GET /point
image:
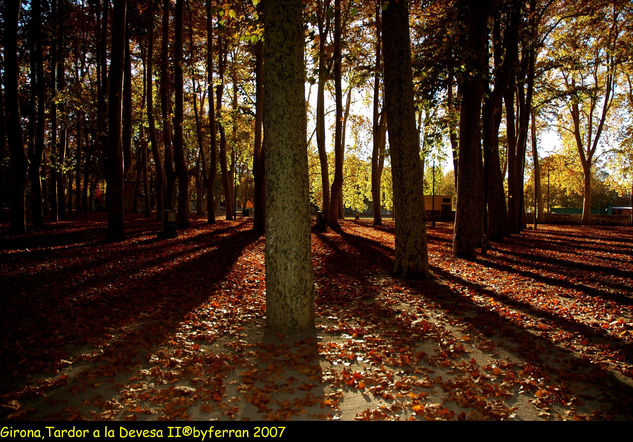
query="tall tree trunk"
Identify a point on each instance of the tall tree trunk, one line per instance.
(212, 129)
(115, 185)
(468, 216)
(53, 166)
(38, 144)
(226, 180)
(513, 172)
(201, 174)
(379, 126)
(289, 277)
(337, 184)
(538, 194)
(323, 24)
(4, 191)
(497, 220)
(586, 199)
(127, 123)
(233, 175)
(158, 161)
(103, 85)
(79, 153)
(259, 220)
(452, 122)
(17, 220)
(166, 110)
(411, 255)
(182, 217)
(147, 202)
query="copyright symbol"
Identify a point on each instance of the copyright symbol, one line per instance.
(186, 431)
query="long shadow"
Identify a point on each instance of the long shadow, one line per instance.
(591, 291)
(560, 246)
(625, 232)
(85, 229)
(364, 245)
(153, 305)
(492, 324)
(579, 248)
(89, 263)
(557, 265)
(585, 241)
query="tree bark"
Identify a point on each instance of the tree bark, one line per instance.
(224, 169)
(212, 127)
(468, 216)
(323, 25)
(38, 144)
(166, 109)
(127, 121)
(586, 200)
(259, 220)
(538, 194)
(337, 183)
(411, 255)
(378, 119)
(497, 221)
(115, 185)
(289, 277)
(182, 217)
(158, 161)
(17, 220)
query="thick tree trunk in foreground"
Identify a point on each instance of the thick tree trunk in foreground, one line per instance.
(411, 256)
(289, 278)
(115, 146)
(17, 220)
(468, 216)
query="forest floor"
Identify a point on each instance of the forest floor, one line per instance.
(540, 328)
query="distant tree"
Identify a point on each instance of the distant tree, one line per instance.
(289, 278)
(588, 79)
(411, 256)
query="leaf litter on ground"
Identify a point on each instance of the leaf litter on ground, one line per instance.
(538, 328)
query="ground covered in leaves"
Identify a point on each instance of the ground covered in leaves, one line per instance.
(540, 328)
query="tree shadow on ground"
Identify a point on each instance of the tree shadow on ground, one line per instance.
(569, 368)
(118, 319)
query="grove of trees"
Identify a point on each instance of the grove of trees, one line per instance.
(293, 107)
